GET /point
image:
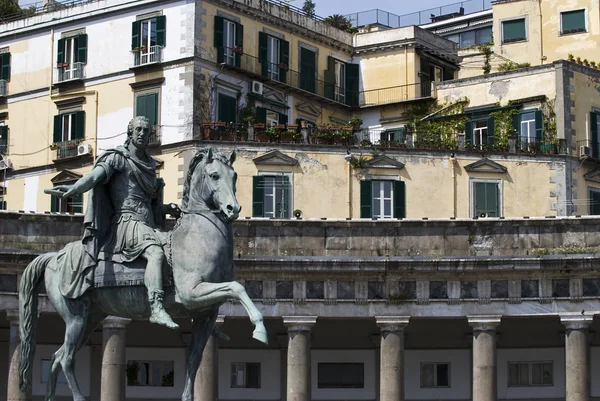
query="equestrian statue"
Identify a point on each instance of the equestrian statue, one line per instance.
(127, 265)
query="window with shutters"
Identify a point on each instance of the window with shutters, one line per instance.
(594, 202)
(4, 72)
(273, 49)
(435, 374)
(148, 37)
(393, 136)
(486, 198)
(594, 130)
(229, 41)
(382, 199)
(245, 375)
(530, 374)
(226, 108)
(272, 118)
(479, 133)
(272, 195)
(340, 82)
(274, 56)
(573, 22)
(71, 57)
(68, 205)
(3, 138)
(308, 70)
(514, 30)
(147, 105)
(69, 130)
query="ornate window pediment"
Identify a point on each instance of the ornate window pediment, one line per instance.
(384, 162)
(485, 166)
(275, 158)
(309, 109)
(64, 177)
(593, 175)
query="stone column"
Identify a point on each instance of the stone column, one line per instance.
(577, 357)
(484, 357)
(114, 360)
(298, 357)
(206, 386)
(391, 360)
(14, 359)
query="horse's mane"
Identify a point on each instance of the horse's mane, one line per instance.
(198, 157)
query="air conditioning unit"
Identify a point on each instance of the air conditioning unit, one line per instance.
(585, 151)
(257, 87)
(5, 164)
(84, 149)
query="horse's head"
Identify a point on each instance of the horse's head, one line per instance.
(211, 184)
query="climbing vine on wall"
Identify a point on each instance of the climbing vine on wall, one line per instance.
(503, 126)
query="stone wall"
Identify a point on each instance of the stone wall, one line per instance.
(352, 238)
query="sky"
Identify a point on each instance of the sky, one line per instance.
(399, 7)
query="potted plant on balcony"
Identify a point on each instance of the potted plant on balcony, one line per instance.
(324, 135)
(355, 122)
(344, 136)
(238, 50)
(272, 134)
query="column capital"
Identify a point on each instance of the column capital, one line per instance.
(115, 322)
(576, 322)
(484, 322)
(12, 316)
(391, 323)
(299, 323)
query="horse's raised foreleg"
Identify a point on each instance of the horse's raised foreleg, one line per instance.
(209, 294)
(201, 331)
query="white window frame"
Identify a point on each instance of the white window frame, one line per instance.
(435, 378)
(244, 385)
(229, 34)
(472, 182)
(273, 52)
(291, 189)
(381, 199)
(270, 122)
(478, 133)
(523, 17)
(67, 128)
(587, 25)
(530, 375)
(149, 54)
(70, 55)
(531, 136)
(340, 81)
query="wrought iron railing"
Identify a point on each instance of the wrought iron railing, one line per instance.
(147, 55)
(527, 145)
(396, 94)
(65, 150)
(71, 72)
(155, 137)
(279, 74)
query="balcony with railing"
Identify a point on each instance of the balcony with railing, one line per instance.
(277, 75)
(155, 137)
(70, 72)
(397, 94)
(65, 150)
(147, 55)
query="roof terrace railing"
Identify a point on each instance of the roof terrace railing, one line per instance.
(390, 20)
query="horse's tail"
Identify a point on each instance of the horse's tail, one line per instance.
(28, 302)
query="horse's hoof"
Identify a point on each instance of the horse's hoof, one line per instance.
(260, 334)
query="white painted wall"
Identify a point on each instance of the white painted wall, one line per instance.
(112, 128)
(177, 355)
(270, 374)
(556, 355)
(344, 356)
(175, 101)
(31, 193)
(460, 374)
(82, 372)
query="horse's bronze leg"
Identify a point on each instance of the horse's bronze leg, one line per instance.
(208, 294)
(201, 331)
(53, 376)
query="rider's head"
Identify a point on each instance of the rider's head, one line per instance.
(138, 132)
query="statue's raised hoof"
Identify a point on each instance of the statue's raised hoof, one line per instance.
(260, 334)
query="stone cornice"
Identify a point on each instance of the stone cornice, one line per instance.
(484, 323)
(299, 323)
(391, 323)
(576, 322)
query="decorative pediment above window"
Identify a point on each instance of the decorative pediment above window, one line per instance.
(308, 108)
(485, 166)
(274, 95)
(275, 158)
(65, 177)
(384, 162)
(593, 175)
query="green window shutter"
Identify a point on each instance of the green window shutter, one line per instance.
(573, 21)
(60, 52)
(227, 108)
(399, 199)
(135, 35)
(516, 118)
(487, 199)
(308, 69)
(594, 203)
(151, 108)
(4, 139)
(79, 124)
(539, 127)
(284, 58)
(140, 105)
(594, 131)
(469, 133)
(262, 53)
(448, 74)
(352, 83)
(261, 115)
(329, 78)
(366, 199)
(490, 132)
(283, 118)
(218, 37)
(5, 66)
(54, 204)
(513, 31)
(258, 196)
(3, 205)
(77, 205)
(161, 30)
(239, 42)
(57, 135)
(82, 41)
(401, 135)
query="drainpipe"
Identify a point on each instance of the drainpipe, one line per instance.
(542, 57)
(349, 190)
(50, 120)
(454, 203)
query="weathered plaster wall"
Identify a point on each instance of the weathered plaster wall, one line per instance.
(529, 51)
